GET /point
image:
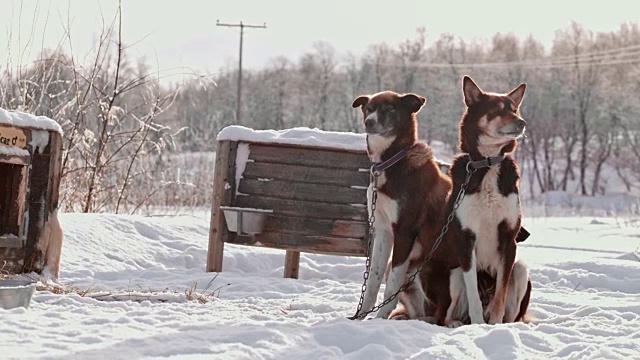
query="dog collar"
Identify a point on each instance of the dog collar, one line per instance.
(486, 162)
(382, 166)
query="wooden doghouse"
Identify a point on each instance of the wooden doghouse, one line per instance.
(30, 169)
(301, 190)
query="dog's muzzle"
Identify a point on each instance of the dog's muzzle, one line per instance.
(369, 124)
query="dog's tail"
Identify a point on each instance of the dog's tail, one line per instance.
(524, 305)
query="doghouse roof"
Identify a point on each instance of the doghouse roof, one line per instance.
(297, 136)
(24, 120)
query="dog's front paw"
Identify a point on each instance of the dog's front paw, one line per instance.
(487, 313)
(398, 317)
(493, 315)
(400, 313)
(495, 319)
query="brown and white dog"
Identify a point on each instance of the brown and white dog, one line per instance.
(441, 297)
(411, 188)
(488, 219)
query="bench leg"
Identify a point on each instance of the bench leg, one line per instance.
(216, 243)
(214, 259)
(291, 264)
(216, 228)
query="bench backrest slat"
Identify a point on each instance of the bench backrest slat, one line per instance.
(306, 174)
(307, 243)
(307, 209)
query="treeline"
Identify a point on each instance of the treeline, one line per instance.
(581, 102)
(131, 144)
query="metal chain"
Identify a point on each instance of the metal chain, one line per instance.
(372, 219)
(436, 244)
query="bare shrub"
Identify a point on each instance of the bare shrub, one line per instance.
(111, 111)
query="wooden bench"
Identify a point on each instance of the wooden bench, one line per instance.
(317, 196)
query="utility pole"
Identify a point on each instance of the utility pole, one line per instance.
(241, 26)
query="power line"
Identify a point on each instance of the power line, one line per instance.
(605, 57)
(533, 65)
(491, 66)
(241, 25)
(528, 64)
(572, 60)
(595, 53)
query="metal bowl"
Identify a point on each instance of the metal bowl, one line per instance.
(245, 221)
(16, 293)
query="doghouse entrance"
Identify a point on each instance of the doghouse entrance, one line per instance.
(13, 180)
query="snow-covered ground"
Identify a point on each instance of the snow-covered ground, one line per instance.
(137, 272)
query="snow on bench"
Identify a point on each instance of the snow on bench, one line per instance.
(296, 136)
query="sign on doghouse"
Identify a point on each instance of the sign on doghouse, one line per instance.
(12, 137)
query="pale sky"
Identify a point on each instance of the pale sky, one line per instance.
(182, 33)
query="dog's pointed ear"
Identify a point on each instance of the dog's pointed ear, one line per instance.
(360, 101)
(413, 102)
(471, 91)
(517, 94)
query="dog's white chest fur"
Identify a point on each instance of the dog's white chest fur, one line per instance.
(482, 212)
(377, 144)
(386, 207)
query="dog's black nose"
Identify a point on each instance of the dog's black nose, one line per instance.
(369, 123)
(520, 123)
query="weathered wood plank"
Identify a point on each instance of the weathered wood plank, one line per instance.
(10, 241)
(216, 245)
(297, 242)
(306, 192)
(309, 157)
(306, 174)
(309, 209)
(21, 197)
(11, 267)
(14, 159)
(230, 185)
(291, 264)
(55, 143)
(39, 182)
(11, 253)
(296, 225)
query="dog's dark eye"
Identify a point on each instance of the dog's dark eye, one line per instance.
(371, 108)
(389, 109)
